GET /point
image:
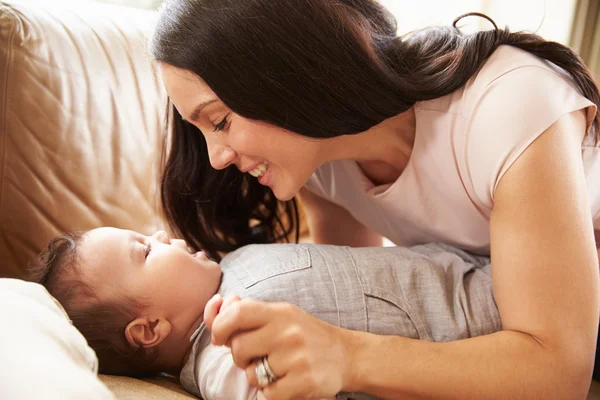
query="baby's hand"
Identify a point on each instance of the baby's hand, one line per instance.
(215, 305)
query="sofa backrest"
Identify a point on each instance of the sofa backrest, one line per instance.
(81, 123)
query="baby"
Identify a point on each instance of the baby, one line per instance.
(139, 300)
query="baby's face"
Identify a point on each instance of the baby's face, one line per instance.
(155, 270)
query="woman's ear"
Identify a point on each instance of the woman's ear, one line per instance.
(147, 333)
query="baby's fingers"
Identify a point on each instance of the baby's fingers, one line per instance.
(211, 309)
(229, 300)
(216, 305)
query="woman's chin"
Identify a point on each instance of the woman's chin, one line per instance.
(285, 194)
(284, 198)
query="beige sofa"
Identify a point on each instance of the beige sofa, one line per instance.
(81, 127)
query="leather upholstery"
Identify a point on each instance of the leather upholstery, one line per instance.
(81, 123)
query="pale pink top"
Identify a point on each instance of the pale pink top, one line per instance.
(464, 144)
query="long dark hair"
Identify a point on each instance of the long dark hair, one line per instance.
(217, 210)
(319, 68)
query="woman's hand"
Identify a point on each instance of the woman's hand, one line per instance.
(311, 359)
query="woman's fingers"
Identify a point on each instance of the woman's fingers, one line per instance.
(275, 363)
(254, 344)
(242, 315)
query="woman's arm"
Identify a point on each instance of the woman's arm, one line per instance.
(546, 286)
(545, 276)
(329, 223)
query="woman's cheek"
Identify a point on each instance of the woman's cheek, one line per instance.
(241, 137)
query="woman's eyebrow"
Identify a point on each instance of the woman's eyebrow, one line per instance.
(196, 113)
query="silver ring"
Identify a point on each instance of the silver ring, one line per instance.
(271, 375)
(262, 375)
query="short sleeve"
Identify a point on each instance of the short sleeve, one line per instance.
(509, 114)
(319, 180)
(332, 181)
(314, 184)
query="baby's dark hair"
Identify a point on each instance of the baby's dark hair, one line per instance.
(60, 270)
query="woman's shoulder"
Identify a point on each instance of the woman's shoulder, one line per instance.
(506, 65)
(517, 85)
(513, 81)
(509, 103)
(507, 59)
(517, 76)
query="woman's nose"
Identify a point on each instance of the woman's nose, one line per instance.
(221, 156)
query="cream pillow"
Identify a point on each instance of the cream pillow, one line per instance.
(43, 356)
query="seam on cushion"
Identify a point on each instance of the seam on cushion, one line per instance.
(3, 133)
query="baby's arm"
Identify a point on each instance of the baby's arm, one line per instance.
(220, 379)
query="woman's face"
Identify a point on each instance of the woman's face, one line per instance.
(278, 158)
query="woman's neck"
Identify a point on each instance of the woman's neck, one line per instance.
(382, 152)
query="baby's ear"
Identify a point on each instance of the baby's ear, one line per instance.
(147, 333)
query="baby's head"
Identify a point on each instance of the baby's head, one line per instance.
(137, 299)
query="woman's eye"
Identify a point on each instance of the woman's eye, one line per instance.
(148, 250)
(221, 125)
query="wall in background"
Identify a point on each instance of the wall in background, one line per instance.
(551, 19)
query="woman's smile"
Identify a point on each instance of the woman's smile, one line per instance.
(265, 177)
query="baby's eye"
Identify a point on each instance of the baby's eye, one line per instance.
(148, 250)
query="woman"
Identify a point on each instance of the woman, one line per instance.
(484, 141)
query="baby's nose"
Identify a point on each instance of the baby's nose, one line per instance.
(179, 243)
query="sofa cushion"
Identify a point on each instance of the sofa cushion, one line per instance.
(43, 355)
(81, 119)
(157, 388)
